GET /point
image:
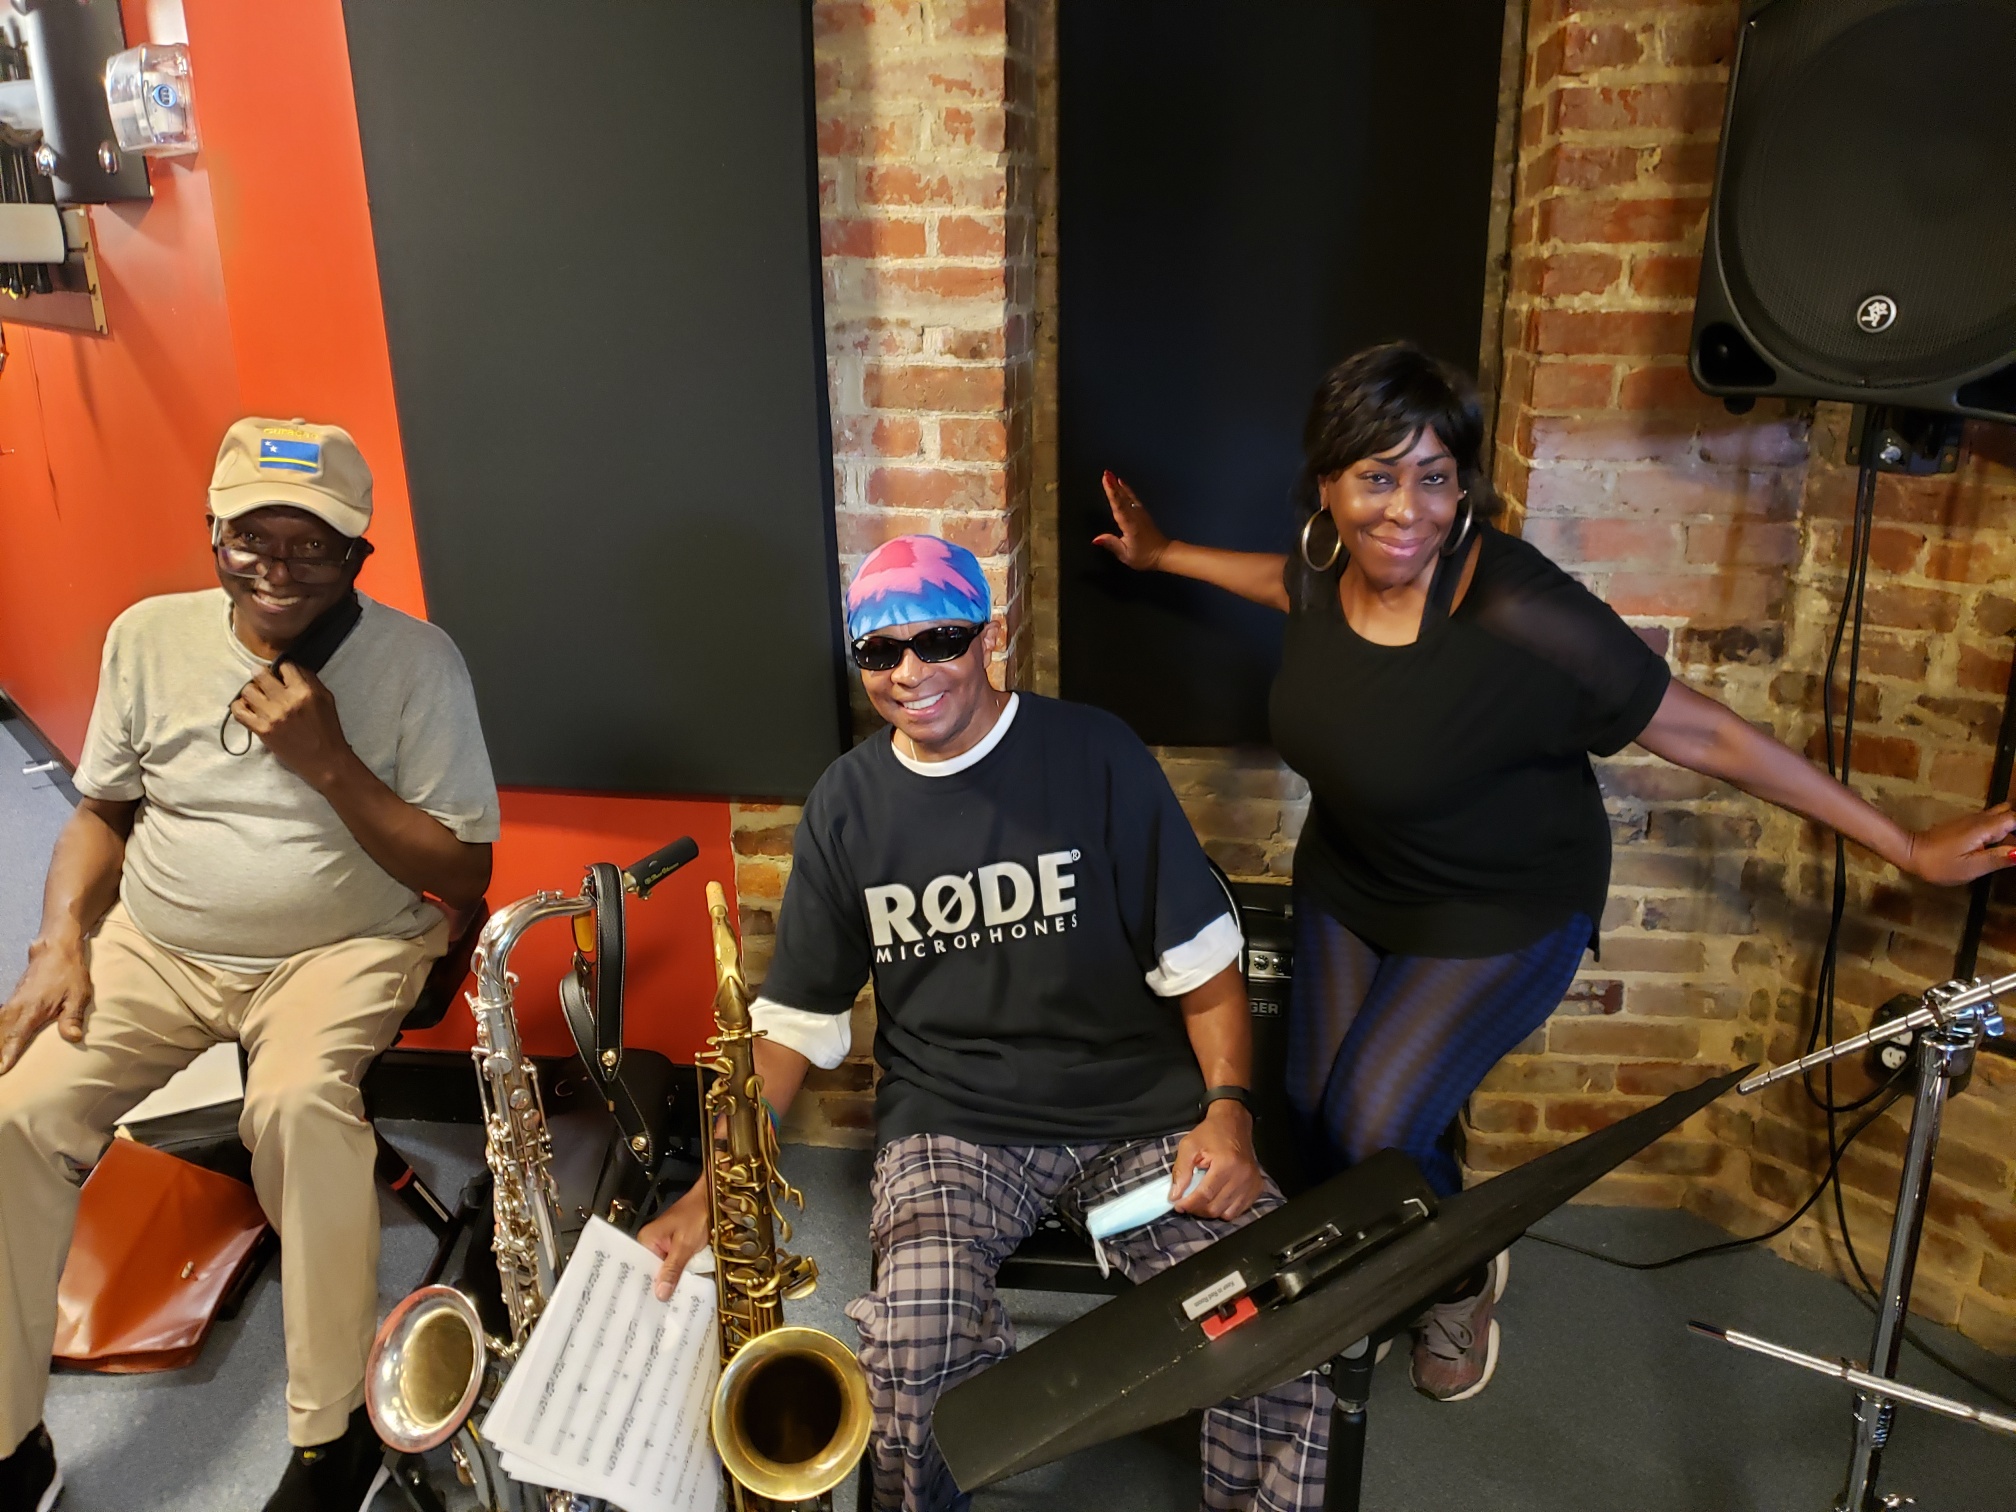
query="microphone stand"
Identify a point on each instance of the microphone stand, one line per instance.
(1955, 1017)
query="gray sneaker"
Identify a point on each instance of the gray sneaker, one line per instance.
(1456, 1343)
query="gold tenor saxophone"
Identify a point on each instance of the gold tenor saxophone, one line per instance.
(432, 1365)
(791, 1412)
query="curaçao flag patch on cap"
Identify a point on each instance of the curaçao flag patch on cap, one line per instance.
(284, 449)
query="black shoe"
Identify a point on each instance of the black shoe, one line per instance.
(29, 1479)
(332, 1477)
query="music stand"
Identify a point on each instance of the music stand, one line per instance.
(1148, 1356)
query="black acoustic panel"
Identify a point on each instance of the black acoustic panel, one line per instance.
(1862, 240)
(1247, 194)
(596, 231)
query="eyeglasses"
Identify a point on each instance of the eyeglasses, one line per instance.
(240, 560)
(941, 643)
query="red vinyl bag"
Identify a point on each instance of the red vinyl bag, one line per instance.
(158, 1244)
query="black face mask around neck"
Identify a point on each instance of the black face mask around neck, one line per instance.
(310, 651)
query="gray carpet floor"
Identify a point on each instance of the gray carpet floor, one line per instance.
(1603, 1400)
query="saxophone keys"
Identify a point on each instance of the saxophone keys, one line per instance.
(792, 1277)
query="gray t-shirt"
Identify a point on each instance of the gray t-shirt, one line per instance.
(234, 859)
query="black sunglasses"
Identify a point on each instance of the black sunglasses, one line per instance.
(941, 643)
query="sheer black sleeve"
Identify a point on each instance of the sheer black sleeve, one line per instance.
(1522, 598)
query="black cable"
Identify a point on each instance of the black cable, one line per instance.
(1858, 579)
(1847, 627)
(1911, 1336)
(1725, 1245)
(1852, 599)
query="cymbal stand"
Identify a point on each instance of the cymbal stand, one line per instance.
(1954, 1016)
(1846, 1370)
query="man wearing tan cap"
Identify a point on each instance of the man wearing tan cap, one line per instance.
(278, 777)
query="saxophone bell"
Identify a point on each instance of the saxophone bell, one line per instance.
(426, 1369)
(791, 1412)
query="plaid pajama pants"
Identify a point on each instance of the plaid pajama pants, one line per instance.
(945, 1214)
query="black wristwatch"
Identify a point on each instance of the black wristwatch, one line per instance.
(1226, 1094)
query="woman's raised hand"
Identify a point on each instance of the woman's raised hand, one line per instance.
(1962, 849)
(1140, 543)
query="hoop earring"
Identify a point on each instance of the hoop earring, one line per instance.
(1336, 544)
(1455, 544)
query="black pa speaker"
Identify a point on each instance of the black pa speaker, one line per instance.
(1862, 239)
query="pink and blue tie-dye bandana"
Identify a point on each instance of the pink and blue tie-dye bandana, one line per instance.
(916, 579)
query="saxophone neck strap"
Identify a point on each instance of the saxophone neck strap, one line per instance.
(591, 997)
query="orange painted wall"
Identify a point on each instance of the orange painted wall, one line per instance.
(548, 840)
(250, 286)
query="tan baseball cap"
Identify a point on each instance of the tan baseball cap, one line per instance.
(313, 467)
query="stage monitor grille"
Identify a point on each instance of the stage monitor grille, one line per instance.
(1866, 216)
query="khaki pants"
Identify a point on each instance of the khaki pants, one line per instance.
(310, 1027)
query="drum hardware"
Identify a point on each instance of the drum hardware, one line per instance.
(1947, 1028)
(1846, 1370)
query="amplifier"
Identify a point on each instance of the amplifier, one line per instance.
(1267, 918)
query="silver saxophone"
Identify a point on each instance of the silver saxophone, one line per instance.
(432, 1365)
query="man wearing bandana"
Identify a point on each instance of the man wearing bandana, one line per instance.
(1061, 1017)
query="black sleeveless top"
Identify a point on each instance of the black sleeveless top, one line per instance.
(1454, 812)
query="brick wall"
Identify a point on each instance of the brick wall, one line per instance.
(1683, 517)
(1723, 542)
(926, 194)
(1719, 537)
(1935, 663)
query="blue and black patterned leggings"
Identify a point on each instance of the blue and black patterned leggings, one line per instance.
(1383, 1049)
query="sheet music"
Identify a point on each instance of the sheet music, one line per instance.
(612, 1394)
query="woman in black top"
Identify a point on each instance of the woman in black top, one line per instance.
(1442, 686)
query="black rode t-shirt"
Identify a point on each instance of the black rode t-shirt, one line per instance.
(1010, 913)
(1454, 812)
